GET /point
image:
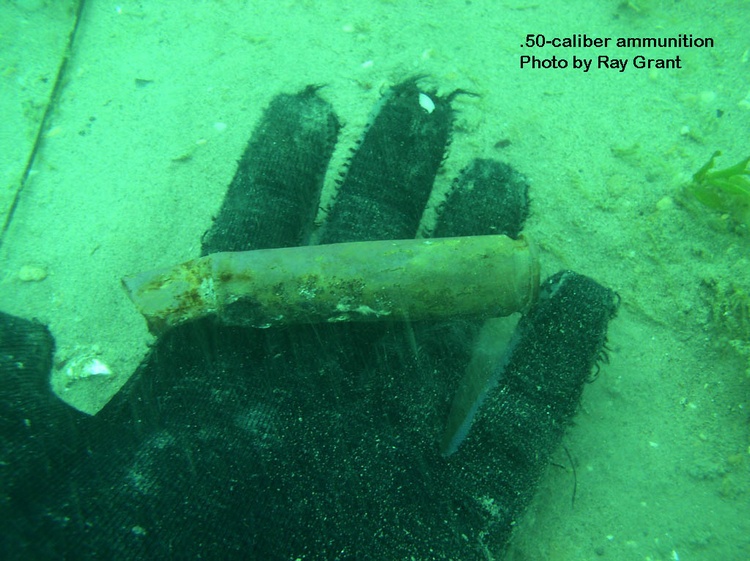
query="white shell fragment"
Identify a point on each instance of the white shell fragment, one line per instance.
(96, 367)
(85, 367)
(426, 103)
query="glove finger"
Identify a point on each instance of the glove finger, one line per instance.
(390, 176)
(275, 193)
(488, 197)
(532, 397)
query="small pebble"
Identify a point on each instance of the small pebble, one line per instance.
(32, 273)
(665, 203)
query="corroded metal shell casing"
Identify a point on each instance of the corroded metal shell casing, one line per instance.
(417, 279)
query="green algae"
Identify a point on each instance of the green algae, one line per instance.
(726, 191)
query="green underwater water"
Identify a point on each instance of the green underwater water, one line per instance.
(159, 100)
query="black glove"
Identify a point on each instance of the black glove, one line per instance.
(315, 441)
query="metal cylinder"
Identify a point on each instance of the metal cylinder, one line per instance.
(416, 279)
